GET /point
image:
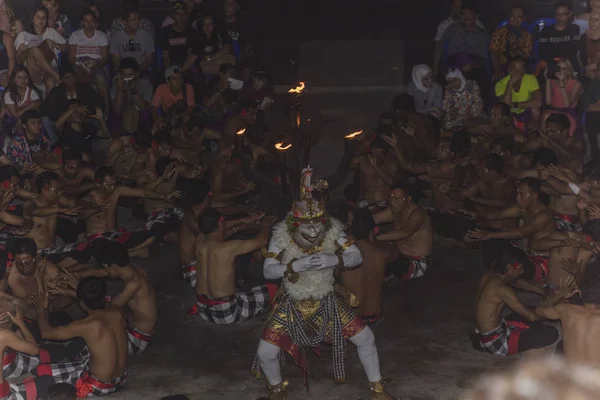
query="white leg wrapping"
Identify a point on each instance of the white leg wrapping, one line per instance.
(367, 353)
(269, 362)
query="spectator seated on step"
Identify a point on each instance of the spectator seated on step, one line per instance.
(173, 102)
(133, 42)
(454, 18)
(463, 104)
(118, 24)
(213, 48)
(221, 97)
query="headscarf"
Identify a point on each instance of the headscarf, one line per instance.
(595, 33)
(418, 73)
(456, 73)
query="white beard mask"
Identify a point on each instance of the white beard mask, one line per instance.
(309, 235)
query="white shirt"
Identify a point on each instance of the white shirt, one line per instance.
(30, 95)
(31, 40)
(89, 47)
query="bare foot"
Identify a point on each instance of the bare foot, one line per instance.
(141, 253)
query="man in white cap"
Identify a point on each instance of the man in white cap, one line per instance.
(172, 100)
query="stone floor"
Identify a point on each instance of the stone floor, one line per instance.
(422, 342)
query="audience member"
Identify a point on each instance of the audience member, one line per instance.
(20, 96)
(452, 19)
(100, 25)
(560, 40)
(590, 100)
(132, 42)
(562, 92)
(88, 52)
(521, 92)
(510, 41)
(57, 101)
(191, 19)
(8, 57)
(426, 92)
(131, 97)
(220, 98)
(467, 49)
(240, 34)
(9, 22)
(590, 55)
(38, 48)
(118, 24)
(172, 99)
(462, 101)
(177, 40)
(212, 49)
(30, 145)
(57, 20)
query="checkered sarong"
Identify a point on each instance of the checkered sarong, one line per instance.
(189, 273)
(66, 372)
(306, 338)
(568, 223)
(67, 248)
(137, 341)
(504, 340)
(89, 386)
(417, 268)
(161, 217)
(15, 364)
(120, 236)
(233, 309)
(16, 391)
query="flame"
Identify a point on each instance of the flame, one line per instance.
(298, 120)
(241, 131)
(298, 89)
(353, 135)
(281, 146)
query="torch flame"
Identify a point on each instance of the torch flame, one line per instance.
(298, 89)
(281, 146)
(353, 135)
(241, 131)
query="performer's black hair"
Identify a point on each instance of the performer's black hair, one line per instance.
(92, 292)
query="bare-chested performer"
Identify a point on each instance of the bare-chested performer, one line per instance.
(443, 170)
(227, 179)
(161, 146)
(519, 331)
(122, 156)
(102, 226)
(569, 150)
(102, 369)
(580, 328)
(138, 294)
(44, 210)
(377, 172)
(365, 282)
(412, 233)
(538, 226)
(218, 300)
(514, 162)
(189, 232)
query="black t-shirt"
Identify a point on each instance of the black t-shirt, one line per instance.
(177, 43)
(79, 140)
(207, 47)
(238, 31)
(566, 43)
(34, 145)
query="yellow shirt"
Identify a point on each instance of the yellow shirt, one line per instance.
(529, 84)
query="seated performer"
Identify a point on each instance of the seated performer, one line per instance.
(412, 233)
(538, 224)
(218, 300)
(304, 250)
(377, 172)
(579, 324)
(102, 226)
(102, 369)
(138, 294)
(188, 235)
(519, 331)
(366, 281)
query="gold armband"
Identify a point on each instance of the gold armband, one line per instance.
(343, 247)
(275, 256)
(290, 274)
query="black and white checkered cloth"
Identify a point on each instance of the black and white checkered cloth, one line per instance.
(137, 341)
(163, 216)
(63, 249)
(17, 364)
(66, 372)
(306, 338)
(496, 341)
(98, 388)
(418, 267)
(189, 273)
(238, 308)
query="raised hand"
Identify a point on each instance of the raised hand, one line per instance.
(409, 128)
(567, 287)
(478, 234)
(174, 195)
(17, 317)
(391, 140)
(571, 265)
(594, 212)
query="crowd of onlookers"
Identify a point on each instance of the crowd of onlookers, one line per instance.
(126, 77)
(537, 67)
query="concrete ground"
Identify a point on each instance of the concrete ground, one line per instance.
(422, 342)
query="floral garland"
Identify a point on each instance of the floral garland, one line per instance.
(292, 223)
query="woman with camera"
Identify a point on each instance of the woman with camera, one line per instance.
(562, 93)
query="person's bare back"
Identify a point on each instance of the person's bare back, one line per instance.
(488, 302)
(215, 268)
(580, 330)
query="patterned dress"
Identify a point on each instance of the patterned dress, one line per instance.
(506, 50)
(460, 105)
(18, 150)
